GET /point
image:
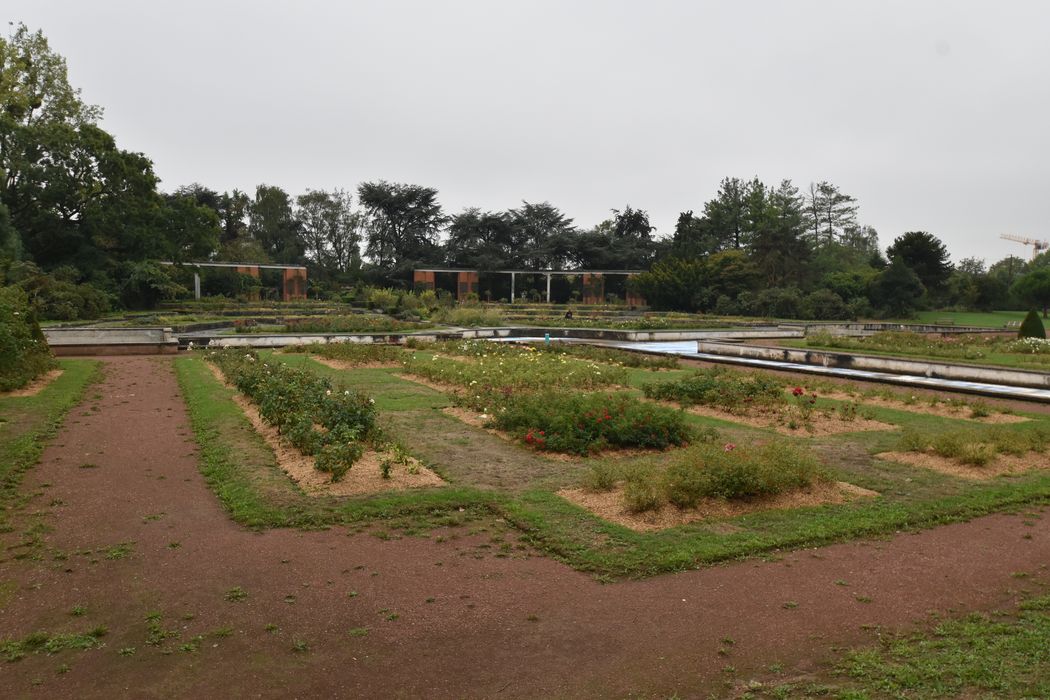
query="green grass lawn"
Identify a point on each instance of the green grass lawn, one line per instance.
(26, 424)
(1002, 655)
(492, 478)
(983, 319)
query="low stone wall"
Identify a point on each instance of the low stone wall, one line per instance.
(894, 365)
(111, 341)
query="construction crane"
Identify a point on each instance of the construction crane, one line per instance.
(1038, 246)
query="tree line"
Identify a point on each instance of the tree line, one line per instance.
(82, 223)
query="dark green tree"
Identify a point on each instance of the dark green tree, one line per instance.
(403, 225)
(926, 255)
(693, 237)
(272, 223)
(546, 236)
(1034, 288)
(897, 290)
(482, 240)
(1032, 327)
(778, 246)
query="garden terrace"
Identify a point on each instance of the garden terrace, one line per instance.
(1000, 350)
(468, 456)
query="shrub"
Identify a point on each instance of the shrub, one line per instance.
(602, 477)
(642, 493)
(24, 354)
(1032, 326)
(467, 316)
(353, 323)
(731, 472)
(732, 391)
(583, 423)
(61, 300)
(978, 447)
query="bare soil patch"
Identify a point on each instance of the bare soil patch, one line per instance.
(940, 409)
(817, 426)
(609, 505)
(34, 387)
(346, 364)
(1003, 464)
(365, 477)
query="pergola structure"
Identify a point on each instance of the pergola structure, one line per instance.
(293, 279)
(467, 281)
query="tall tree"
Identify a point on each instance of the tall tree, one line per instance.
(897, 289)
(830, 212)
(272, 223)
(1034, 288)
(925, 254)
(331, 229)
(233, 215)
(623, 242)
(546, 236)
(483, 240)
(778, 247)
(404, 222)
(693, 237)
(192, 228)
(727, 213)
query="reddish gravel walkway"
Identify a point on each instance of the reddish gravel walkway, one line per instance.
(515, 627)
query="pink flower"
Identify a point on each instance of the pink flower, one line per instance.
(729, 447)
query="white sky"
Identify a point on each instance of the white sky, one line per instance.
(935, 115)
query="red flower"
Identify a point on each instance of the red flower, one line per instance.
(797, 391)
(729, 447)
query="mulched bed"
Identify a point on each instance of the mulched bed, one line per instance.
(609, 505)
(1002, 464)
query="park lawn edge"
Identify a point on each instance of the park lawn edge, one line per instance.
(22, 451)
(549, 523)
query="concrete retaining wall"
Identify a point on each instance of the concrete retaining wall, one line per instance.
(921, 368)
(111, 341)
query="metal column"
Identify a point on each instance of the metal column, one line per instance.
(197, 285)
(548, 288)
(512, 288)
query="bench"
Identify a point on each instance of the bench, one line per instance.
(1013, 324)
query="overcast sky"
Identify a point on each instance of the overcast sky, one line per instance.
(934, 115)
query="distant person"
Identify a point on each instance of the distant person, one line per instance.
(568, 314)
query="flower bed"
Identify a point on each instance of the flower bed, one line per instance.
(735, 392)
(585, 423)
(526, 371)
(354, 353)
(329, 424)
(593, 353)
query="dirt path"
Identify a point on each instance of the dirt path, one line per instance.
(443, 618)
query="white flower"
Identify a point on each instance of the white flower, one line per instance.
(346, 393)
(328, 392)
(371, 401)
